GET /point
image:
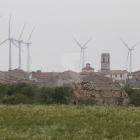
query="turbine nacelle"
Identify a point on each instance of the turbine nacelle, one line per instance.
(20, 41)
(11, 38)
(129, 52)
(82, 52)
(84, 47)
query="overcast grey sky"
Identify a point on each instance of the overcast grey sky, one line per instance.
(57, 21)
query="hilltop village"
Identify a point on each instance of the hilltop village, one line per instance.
(53, 79)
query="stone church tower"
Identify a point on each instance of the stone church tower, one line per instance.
(105, 63)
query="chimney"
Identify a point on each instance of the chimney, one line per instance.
(38, 71)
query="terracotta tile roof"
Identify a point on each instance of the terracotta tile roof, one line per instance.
(87, 68)
(4, 81)
(22, 70)
(89, 73)
(116, 72)
(73, 71)
(17, 78)
(43, 74)
(136, 72)
(102, 78)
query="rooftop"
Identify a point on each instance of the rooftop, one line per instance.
(117, 72)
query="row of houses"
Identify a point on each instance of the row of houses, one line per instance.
(52, 79)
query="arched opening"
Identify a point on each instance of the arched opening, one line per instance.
(74, 103)
(103, 59)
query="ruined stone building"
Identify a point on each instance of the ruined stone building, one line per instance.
(97, 78)
(104, 93)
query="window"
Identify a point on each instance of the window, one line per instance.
(120, 75)
(106, 80)
(115, 75)
(103, 59)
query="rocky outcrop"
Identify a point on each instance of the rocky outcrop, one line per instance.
(104, 93)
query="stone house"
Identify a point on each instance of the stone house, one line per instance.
(119, 76)
(134, 80)
(17, 72)
(47, 79)
(5, 81)
(67, 77)
(104, 93)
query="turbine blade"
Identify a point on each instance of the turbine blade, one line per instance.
(9, 26)
(30, 35)
(77, 42)
(16, 45)
(86, 43)
(124, 43)
(22, 31)
(135, 45)
(3, 41)
(127, 60)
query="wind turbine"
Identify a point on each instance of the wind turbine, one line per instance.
(10, 41)
(28, 51)
(82, 51)
(129, 51)
(19, 44)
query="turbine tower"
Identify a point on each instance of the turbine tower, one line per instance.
(129, 51)
(10, 47)
(19, 44)
(28, 51)
(82, 53)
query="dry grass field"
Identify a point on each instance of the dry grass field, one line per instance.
(66, 122)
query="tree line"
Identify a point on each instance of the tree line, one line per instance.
(28, 94)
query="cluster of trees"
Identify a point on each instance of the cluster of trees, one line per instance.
(134, 95)
(27, 93)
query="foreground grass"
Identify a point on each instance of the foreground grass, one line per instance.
(65, 122)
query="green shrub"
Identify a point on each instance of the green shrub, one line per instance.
(129, 90)
(46, 94)
(88, 101)
(135, 97)
(15, 99)
(60, 95)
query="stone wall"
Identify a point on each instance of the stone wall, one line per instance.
(104, 93)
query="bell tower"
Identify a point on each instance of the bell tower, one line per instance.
(105, 63)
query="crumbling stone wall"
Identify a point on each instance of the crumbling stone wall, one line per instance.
(105, 93)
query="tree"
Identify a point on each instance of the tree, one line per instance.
(59, 95)
(135, 97)
(129, 90)
(47, 92)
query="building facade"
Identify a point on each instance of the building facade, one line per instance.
(105, 63)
